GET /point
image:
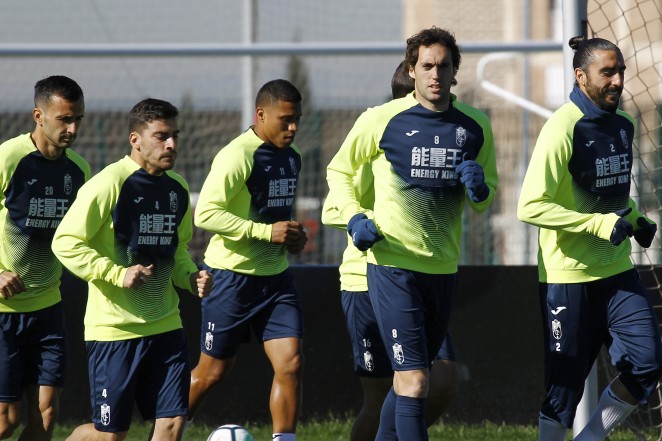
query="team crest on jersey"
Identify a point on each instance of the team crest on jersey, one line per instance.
(624, 139)
(556, 329)
(293, 166)
(398, 354)
(209, 341)
(368, 361)
(105, 414)
(173, 202)
(68, 184)
(460, 136)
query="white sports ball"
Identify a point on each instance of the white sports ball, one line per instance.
(230, 432)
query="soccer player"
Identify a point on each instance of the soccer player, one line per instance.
(247, 201)
(39, 177)
(371, 362)
(127, 235)
(576, 191)
(429, 154)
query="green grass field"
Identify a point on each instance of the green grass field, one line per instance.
(338, 430)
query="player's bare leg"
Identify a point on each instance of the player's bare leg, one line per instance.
(168, 429)
(367, 421)
(444, 380)
(204, 376)
(87, 432)
(286, 359)
(412, 383)
(410, 389)
(9, 418)
(43, 404)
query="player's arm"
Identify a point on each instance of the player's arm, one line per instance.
(228, 175)
(487, 159)
(548, 166)
(365, 193)
(185, 271)
(356, 150)
(11, 282)
(83, 221)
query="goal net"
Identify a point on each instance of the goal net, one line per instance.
(635, 26)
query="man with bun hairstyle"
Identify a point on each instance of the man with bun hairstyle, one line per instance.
(576, 191)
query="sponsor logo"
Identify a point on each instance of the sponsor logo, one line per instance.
(559, 309)
(412, 133)
(31, 181)
(267, 168)
(138, 199)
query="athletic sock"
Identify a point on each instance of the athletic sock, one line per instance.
(283, 437)
(410, 419)
(386, 430)
(611, 412)
(550, 430)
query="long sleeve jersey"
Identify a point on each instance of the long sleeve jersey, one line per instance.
(354, 266)
(419, 200)
(579, 175)
(125, 216)
(251, 186)
(35, 193)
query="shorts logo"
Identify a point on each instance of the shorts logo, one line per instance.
(398, 355)
(209, 341)
(105, 414)
(368, 361)
(556, 329)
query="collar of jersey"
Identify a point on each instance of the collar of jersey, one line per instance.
(588, 108)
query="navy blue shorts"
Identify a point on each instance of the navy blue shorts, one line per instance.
(32, 351)
(153, 371)
(370, 356)
(238, 302)
(578, 319)
(412, 311)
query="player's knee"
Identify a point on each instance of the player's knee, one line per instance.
(169, 428)
(411, 383)
(641, 386)
(210, 373)
(7, 429)
(642, 378)
(9, 421)
(444, 382)
(442, 392)
(291, 366)
(49, 416)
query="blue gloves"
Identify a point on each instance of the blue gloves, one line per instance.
(644, 236)
(471, 175)
(622, 228)
(363, 231)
